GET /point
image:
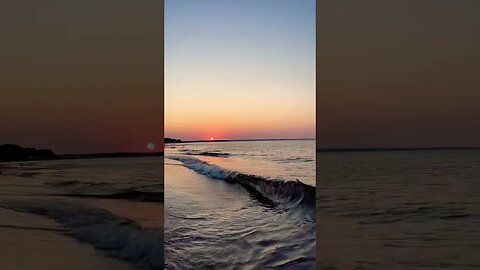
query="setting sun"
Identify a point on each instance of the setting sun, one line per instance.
(211, 138)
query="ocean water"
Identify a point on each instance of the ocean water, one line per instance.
(240, 205)
(398, 210)
(115, 204)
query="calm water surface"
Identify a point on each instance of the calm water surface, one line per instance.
(399, 210)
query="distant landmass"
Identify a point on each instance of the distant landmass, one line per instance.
(12, 152)
(170, 140)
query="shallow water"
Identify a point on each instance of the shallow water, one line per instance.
(283, 160)
(222, 214)
(398, 210)
(113, 204)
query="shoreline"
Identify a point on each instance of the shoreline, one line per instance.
(29, 241)
(54, 227)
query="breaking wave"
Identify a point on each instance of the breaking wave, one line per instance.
(204, 153)
(147, 193)
(118, 237)
(278, 194)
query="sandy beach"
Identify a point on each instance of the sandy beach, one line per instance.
(32, 242)
(82, 214)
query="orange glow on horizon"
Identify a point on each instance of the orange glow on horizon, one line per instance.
(237, 91)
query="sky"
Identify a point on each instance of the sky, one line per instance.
(82, 76)
(239, 69)
(398, 73)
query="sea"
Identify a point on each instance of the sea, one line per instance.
(113, 204)
(240, 205)
(398, 209)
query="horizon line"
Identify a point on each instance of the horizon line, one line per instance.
(244, 140)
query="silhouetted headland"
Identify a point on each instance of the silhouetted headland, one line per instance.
(12, 152)
(170, 140)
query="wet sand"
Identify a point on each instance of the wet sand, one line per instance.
(42, 226)
(32, 242)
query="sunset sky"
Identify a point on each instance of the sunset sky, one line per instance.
(398, 73)
(239, 69)
(81, 76)
(86, 76)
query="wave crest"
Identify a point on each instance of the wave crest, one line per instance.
(119, 237)
(205, 153)
(283, 195)
(74, 188)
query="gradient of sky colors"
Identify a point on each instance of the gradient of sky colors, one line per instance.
(398, 73)
(239, 69)
(81, 76)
